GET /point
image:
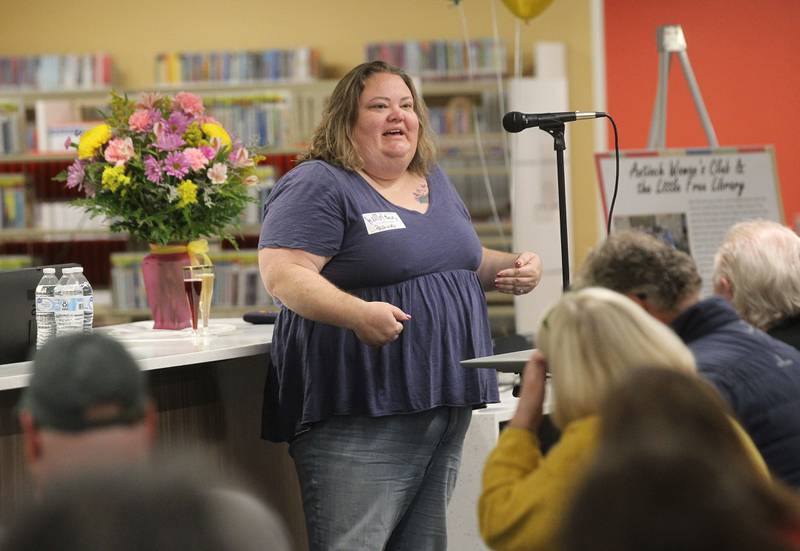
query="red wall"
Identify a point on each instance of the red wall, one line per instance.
(745, 57)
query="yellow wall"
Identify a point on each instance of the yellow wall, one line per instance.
(133, 32)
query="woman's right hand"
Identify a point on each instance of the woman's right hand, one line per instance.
(378, 323)
(531, 397)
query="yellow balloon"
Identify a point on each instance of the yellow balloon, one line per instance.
(527, 9)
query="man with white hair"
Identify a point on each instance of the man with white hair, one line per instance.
(757, 269)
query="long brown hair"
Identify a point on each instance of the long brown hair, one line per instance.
(332, 140)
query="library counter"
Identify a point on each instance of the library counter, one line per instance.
(229, 338)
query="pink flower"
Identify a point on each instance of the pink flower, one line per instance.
(68, 142)
(239, 157)
(159, 128)
(189, 103)
(195, 157)
(148, 100)
(218, 173)
(142, 120)
(175, 165)
(153, 169)
(208, 119)
(251, 180)
(119, 151)
(168, 142)
(209, 152)
(76, 172)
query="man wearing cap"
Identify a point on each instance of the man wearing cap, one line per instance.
(86, 406)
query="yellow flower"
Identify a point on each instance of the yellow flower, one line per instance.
(188, 192)
(216, 131)
(92, 140)
(114, 176)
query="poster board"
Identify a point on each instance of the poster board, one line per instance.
(691, 197)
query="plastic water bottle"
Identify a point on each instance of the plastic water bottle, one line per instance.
(69, 307)
(46, 307)
(88, 299)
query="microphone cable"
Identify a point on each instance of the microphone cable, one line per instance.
(616, 176)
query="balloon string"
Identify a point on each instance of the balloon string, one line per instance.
(477, 130)
(517, 54)
(499, 63)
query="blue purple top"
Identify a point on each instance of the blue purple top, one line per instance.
(425, 264)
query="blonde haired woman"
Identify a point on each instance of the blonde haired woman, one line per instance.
(589, 341)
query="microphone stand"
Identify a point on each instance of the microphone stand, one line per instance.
(556, 129)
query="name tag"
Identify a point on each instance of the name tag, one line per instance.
(382, 221)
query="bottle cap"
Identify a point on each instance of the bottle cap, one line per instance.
(49, 270)
(68, 271)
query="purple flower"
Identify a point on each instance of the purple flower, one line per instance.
(153, 169)
(75, 175)
(177, 123)
(176, 165)
(168, 141)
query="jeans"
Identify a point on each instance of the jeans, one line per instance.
(380, 483)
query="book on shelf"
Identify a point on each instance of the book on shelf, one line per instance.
(57, 120)
(258, 120)
(56, 71)
(66, 217)
(297, 65)
(253, 212)
(237, 281)
(13, 206)
(11, 123)
(442, 59)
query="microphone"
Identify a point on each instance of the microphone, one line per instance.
(517, 122)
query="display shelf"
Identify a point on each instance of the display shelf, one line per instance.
(38, 234)
(48, 116)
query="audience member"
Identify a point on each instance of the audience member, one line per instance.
(758, 375)
(172, 508)
(757, 269)
(86, 406)
(588, 341)
(671, 473)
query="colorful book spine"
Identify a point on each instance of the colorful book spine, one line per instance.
(295, 65)
(442, 59)
(13, 207)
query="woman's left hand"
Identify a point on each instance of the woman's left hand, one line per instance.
(522, 278)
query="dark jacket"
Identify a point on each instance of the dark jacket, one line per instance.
(757, 374)
(787, 330)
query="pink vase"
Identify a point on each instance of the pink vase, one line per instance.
(163, 282)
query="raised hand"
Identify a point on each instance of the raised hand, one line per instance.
(523, 277)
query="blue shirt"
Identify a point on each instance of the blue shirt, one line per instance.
(422, 263)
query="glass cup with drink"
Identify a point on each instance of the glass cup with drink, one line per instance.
(198, 282)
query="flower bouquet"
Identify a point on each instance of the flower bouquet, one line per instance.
(167, 173)
(162, 170)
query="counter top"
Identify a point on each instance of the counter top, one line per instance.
(159, 349)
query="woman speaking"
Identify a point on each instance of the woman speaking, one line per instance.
(381, 278)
